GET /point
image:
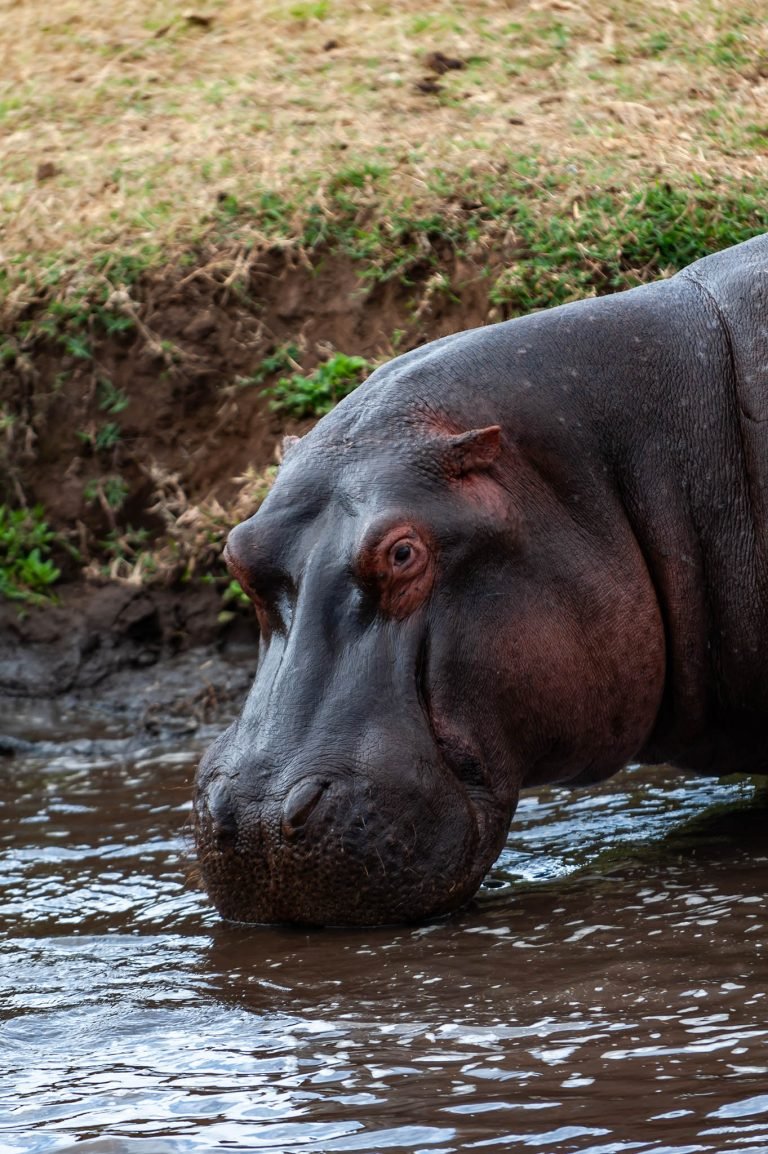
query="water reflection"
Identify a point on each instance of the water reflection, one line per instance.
(608, 994)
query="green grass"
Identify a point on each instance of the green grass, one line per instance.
(608, 242)
(71, 303)
(315, 395)
(566, 232)
(563, 231)
(26, 569)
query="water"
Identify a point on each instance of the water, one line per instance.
(606, 993)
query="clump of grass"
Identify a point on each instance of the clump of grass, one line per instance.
(26, 569)
(111, 398)
(103, 438)
(315, 395)
(284, 357)
(610, 241)
(109, 491)
(73, 320)
(190, 545)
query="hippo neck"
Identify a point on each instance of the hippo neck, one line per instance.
(685, 457)
(646, 408)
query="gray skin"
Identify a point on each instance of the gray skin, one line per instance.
(526, 553)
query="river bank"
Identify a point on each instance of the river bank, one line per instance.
(211, 232)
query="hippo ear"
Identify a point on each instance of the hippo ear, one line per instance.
(475, 449)
(289, 442)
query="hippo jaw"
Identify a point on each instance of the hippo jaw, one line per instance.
(340, 850)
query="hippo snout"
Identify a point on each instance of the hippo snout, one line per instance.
(333, 848)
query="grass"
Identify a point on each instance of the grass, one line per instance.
(610, 241)
(26, 569)
(563, 231)
(164, 129)
(315, 395)
(191, 546)
(152, 120)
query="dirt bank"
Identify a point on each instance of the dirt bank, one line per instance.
(139, 521)
(94, 632)
(179, 391)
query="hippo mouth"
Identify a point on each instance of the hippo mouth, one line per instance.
(339, 850)
(357, 840)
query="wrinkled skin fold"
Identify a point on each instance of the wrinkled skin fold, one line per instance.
(522, 554)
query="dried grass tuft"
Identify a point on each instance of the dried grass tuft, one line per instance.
(194, 532)
(127, 124)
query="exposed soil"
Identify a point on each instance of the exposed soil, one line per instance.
(187, 413)
(189, 427)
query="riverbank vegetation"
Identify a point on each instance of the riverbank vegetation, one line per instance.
(215, 222)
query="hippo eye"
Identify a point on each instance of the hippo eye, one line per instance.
(404, 557)
(397, 568)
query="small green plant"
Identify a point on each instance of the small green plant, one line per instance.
(284, 357)
(103, 438)
(77, 346)
(234, 597)
(110, 490)
(111, 398)
(107, 436)
(314, 396)
(26, 570)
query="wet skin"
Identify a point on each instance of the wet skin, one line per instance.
(522, 554)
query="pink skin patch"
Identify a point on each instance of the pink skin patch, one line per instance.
(400, 566)
(240, 573)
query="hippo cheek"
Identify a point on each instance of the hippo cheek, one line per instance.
(341, 851)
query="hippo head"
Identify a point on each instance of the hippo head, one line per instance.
(420, 657)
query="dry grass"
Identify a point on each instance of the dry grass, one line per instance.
(194, 535)
(124, 124)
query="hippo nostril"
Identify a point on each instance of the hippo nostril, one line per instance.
(221, 814)
(299, 804)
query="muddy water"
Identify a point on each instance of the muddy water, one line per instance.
(607, 993)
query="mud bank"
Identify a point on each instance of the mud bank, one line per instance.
(159, 384)
(135, 416)
(96, 633)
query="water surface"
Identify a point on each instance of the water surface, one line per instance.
(606, 993)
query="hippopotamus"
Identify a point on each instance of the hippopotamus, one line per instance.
(527, 553)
